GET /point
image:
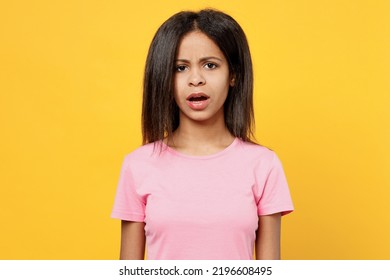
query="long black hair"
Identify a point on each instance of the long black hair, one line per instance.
(160, 114)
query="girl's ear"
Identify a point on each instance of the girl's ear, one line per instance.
(232, 81)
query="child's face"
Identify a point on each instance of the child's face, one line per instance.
(201, 80)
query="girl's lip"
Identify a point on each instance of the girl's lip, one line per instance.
(197, 94)
(198, 104)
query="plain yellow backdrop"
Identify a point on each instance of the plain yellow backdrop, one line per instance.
(70, 83)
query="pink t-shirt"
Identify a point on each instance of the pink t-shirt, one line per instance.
(201, 207)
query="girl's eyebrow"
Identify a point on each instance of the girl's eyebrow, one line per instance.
(200, 60)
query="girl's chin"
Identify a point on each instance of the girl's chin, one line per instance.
(201, 117)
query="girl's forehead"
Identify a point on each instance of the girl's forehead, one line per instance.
(197, 43)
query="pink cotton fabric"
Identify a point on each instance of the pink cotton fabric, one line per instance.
(201, 207)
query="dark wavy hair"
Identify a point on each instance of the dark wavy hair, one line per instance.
(160, 114)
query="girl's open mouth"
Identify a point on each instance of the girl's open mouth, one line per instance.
(198, 101)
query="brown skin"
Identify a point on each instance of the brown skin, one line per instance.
(267, 245)
(132, 241)
(201, 67)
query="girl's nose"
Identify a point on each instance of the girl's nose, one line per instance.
(196, 79)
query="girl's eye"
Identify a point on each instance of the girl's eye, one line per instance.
(210, 65)
(180, 68)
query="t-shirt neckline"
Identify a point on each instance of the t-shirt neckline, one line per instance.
(217, 154)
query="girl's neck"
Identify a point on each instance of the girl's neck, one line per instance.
(197, 138)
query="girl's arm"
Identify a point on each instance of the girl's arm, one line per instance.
(268, 237)
(132, 241)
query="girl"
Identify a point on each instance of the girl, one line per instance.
(199, 188)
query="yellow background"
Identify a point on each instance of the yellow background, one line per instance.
(70, 83)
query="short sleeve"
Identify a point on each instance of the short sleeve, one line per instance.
(274, 193)
(128, 205)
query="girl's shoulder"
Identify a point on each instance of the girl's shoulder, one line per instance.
(143, 152)
(140, 160)
(255, 150)
(262, 158)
